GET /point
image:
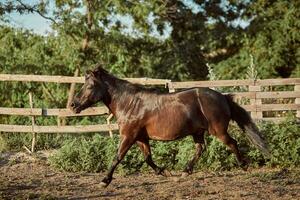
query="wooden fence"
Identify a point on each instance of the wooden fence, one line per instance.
(253, 93)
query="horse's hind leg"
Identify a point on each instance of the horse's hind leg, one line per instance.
(221, 133)
(143, 143)
(199, 144)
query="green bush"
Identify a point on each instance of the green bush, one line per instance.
(16, 141)
(84, 154)
(284, 141)
(96, 153)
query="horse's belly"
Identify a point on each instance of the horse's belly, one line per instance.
(172, 126)
(166, 135)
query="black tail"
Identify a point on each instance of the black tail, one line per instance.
(245, 122)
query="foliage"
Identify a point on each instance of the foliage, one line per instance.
(82, 154)
(284, 141)
(16, 141)
(166, 39)
(272, 38)
(96, 153)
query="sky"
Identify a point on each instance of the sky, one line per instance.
(31, 21)
(42, 26)
(39, 25)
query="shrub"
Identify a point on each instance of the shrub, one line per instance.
(284, 140)
(96, 153)
(15, 141)
(84, 154)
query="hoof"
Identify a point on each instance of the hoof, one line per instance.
(244, 166)
(176, 179)
(166, 173)
(185, 174)
(163, 172)
(103, 184)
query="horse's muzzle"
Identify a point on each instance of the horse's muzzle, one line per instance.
(75, 107)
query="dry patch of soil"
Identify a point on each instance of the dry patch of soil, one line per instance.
(27, 177)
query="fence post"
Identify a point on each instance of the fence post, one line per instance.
(170, 86)
(256, 114)
(33, 123)
(297, 100)
(58, 121)
(108, 123)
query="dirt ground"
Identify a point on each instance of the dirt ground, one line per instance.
(26, 177)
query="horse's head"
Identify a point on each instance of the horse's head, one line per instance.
(91, 92)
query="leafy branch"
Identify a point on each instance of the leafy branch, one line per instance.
(34, 9)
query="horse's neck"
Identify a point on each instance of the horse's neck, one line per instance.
(114, 93)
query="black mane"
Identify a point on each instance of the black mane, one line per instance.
(124, 85)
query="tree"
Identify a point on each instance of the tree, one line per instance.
(272, 38)
(193, 34)
(198, 31)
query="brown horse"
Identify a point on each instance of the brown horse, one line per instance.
(143, 114)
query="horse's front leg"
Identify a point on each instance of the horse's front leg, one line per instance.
(126, 141)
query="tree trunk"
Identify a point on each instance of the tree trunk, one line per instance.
(84, 47)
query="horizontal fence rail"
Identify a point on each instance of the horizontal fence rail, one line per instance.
(267, 95)
(58, 129)
(60, 112)
(71, 79)
(103, 110)
(41, 78)
(232, 83)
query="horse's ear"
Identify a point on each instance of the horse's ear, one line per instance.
(99, 69)
(98, 66)
(87, 73)
(96, 72)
